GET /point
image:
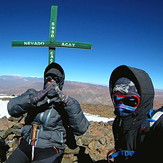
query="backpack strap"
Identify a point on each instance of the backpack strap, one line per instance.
(154, 116)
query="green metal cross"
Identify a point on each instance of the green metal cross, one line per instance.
(52, 43)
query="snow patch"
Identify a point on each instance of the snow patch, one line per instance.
(97, 118)
(3, 109)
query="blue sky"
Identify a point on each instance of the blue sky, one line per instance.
(126, 32)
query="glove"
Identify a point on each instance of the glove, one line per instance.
(61, 95)
(39, 95)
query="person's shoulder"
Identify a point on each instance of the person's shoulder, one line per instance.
(31, 90)
(73, 99)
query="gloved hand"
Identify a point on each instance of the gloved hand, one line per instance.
(61, 95)
(39, 95)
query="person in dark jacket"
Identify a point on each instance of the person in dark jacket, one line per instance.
(50, 114)
(132, 93)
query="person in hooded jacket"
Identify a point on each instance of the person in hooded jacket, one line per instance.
(132, 93)
(50, 114)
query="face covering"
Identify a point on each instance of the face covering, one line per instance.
(52, 93)
(125, 104)
(123, 110)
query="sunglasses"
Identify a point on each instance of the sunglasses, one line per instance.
(130, 100)
(56, 78)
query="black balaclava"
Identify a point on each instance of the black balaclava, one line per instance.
(54, 69)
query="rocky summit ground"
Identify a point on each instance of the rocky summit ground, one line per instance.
(91, 147)
(101, 110)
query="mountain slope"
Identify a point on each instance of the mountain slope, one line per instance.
(85, 93)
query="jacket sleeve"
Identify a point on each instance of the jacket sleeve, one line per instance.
(77, 119)
(19, 105)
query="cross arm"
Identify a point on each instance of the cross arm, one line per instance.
(30, 43)
(49, 44)
(73, 45)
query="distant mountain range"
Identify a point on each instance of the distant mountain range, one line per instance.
(14, 84)
(85, 93)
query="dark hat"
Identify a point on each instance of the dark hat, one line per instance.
(125, 86)
(54, 68)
